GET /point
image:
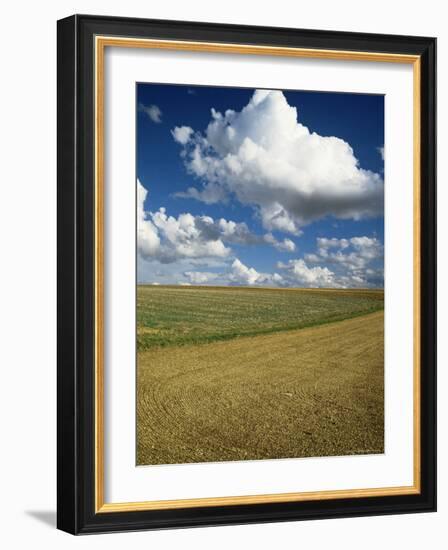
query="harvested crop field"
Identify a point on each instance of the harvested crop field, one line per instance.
(243, 374)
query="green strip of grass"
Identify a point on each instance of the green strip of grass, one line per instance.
(172, 316)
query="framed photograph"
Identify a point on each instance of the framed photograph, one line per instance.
(246, 274)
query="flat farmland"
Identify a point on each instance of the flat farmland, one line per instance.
(169, 316)
(248, 373)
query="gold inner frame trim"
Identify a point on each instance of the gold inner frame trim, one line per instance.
(101, 42)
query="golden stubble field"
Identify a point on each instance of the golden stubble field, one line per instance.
(205, 394)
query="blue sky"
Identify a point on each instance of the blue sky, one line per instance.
(245, 187)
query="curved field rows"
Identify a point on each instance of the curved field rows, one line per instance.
(311, 392)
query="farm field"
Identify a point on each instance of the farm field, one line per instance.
(246, 373)
(170, 315)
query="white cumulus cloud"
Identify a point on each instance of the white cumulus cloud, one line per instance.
(183, 234)
(200, 277)
(167, 238)
(358, 261)
(182, 134)
(152, 111)
(241, 274)
(265, 157)
(286, 245)
(300, 274)
(148, 241)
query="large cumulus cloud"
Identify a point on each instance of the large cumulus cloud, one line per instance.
(265, 157)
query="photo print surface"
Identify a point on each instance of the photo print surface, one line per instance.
(260, 274)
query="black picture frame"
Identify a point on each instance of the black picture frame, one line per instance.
(76, 256)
